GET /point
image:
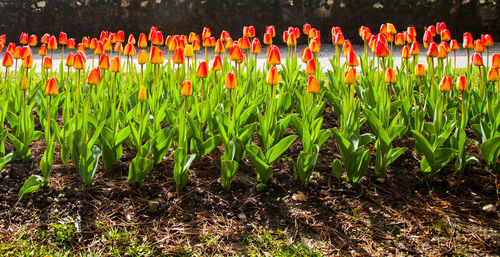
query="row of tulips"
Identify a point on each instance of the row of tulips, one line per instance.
(175, 101)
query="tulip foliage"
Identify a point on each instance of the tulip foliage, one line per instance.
(253, 103)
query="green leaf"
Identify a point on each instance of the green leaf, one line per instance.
(277, 150)
(337, 170)
(491, 150)
(32, 184)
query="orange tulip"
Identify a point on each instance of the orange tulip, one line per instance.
(80, 48)
(63, 38)
(412, 31)
(446, 84)
(143, 42)
(346, 47)
(51, 87)
(236, 54)
(273, 77)
(415, 48)
(311, 67)
(350, 76)
(219, 47)
(104, 35)
(432, 51)
(142, 97)
(156, 56)
(143, 57)
(230, 81)
(94, 77)
(487, 40)
(157, 38)
(28, 62)
(391, 29)
(86, 42)
(462, 83)
(186, 88)
(224, 35)
(468, 42)
(313, 85)
(405, 52)
(306, 55)
(202, 71)
(306, 28)
(271, 30)
(445, 35)
(115, 65)
(229, 43)
(217, 64)
(52, 44)
(79, 63)
(120, 36)
(390, 75)
(25, 51)
(152, 32)
(256, 47)
(118, 48)
(315, 45)
(70, 60)
(45, 38)
(432, 30)
(206, 32)
(245, 43)
(24, 83)
(352, 60)
(197, 45)
(440, 26)
(131, 39)
(17, 52)
(410, 38)
(33, 40)
(178, 57)
(479, 46)
(495, 61)
(188, 51)
(47, 63)
(71, 43)
(129, 50)
(493, 74)
(338, 39)
(381, 50)
(274, 56)
(268, 39)
(442, 53)
(477, 60)
(427, 37)
(93, 43)
(23, 38)
(454, 45)
(106, 44)
(399, 39)
(367, 34)
(104, 62)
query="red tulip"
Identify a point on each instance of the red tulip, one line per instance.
(446, 84)
(47, 63)
(45, 38)
(104, 62)
(63, 38)
(23, 38)
(495, 62)
(217, 64)
(313, 85)
(51, 87)
(178, 57)
(310, 67)
(487, 40)
(477, 60)
(350, 76)
(274, 56)
(230, 81)
(202, 71)
(71, 43)
(468, 42)
(432, 51)
(352, 60)
(381, 50)
(52, 44)
(256, 47)
(390, 75)
(493, 74)
(462, 83)
(94, 77)
(33, 40)
(186, 88)
(70, 60)
(8, 60)
(142, 43)
(120, 36)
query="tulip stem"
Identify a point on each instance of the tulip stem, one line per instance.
(62, 54)
(202, 89)
(47, 126)
(454, 60)
(15, 70)
(5, 80)
(78, 93)
(488, 59)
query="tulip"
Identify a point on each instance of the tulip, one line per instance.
(206, 32)
(86, 42)
(47, 63)
(415, 49)
(104, 62)
(306, 28)
(477, 60)
(52, 45)
(445, 35)
(94, 77)
(99, 49)
(313, 85)
(381, 49)
(142, 97)
(63, 40)
(462, 83)
(479, 46)
(352, 60)
(143, 57)
(445, 85)
(23, 38)
(157, 39)
(186, 88)
(311, 67)
(274, 56)
(432, 51)
(268, 39)
(7, 62)
(442, 53)
(350, 76)
(315, 45)
(51, 87)
(118, 48)
(272, 77)
(346, 47)
(152, 32)
(142, 42)
(405, 52)
(271, 30)
(230, 81)
(79, 63)
(399, 39)
(131, 39)
(71, 44)
(440, 26)
(427, 37)
(493, 74)
(45, 38)
(306, 55)
(219, 47)
(24, 86)
(410, 38)
(390, 75)
(32, 41)
(28, 62)
(115, 65)
(217, 64)
(70, 60)
(495, 60)
(178, 57)
(420, 70)
(106, 46)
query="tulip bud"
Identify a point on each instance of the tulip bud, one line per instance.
(440, 27)
(390, 75)
(427, 37)
(94, 77)
(219, 47)
(274, 56)
(350, 76)
(352, 60)
(24, 83)
(477, 60)
(70, 60)
(224, 35)
(33, 40)
(202, 71)
(86, 42)
(206, 32)
(306, 28)
(306, 55)
(273, 76)
(79, 63)
(338, 39)
(236, 54)
(256, 47)
(158, 38)
(25, 51)
(391, 29)
(142, 95)
(495, 61)
(106, 45)
(23, 38)
(479, 46)
(230, 81)
(405, 52)
(468, 42)
(445, 35)
(186, 88)
(115, 64)
(93, 43)
(51, 87)
(229, 43)
(47, 63)
(442, 53)
(462, 83)
(104, 62)
(52, 44)
(28, 62)
(129, 50)
(445, 85)
(188, 51)
(268, 39)
(487, 40)
(45, 38)
(131, 39)
(71, 43)
(454, 45)
(432, 51)
(313, 85)
(178, 57)
(143, 57)
(314, 45)
(118, 48)
(493, 74)
(399, 39)
(245, 43)
(63, 38)
(120, 36)
(311, 67)
(143, 42)
(217, 64)
(17, 53)
(381, 50)
(152, 32)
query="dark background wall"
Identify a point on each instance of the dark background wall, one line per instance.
(88, 17)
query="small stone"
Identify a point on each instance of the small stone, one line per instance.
(299, 196)
(381, 180)
(489, 208)
(60, 195)
(153, 205)
(50, 199)
(242, 216)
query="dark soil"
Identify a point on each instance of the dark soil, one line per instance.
(397, 215)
